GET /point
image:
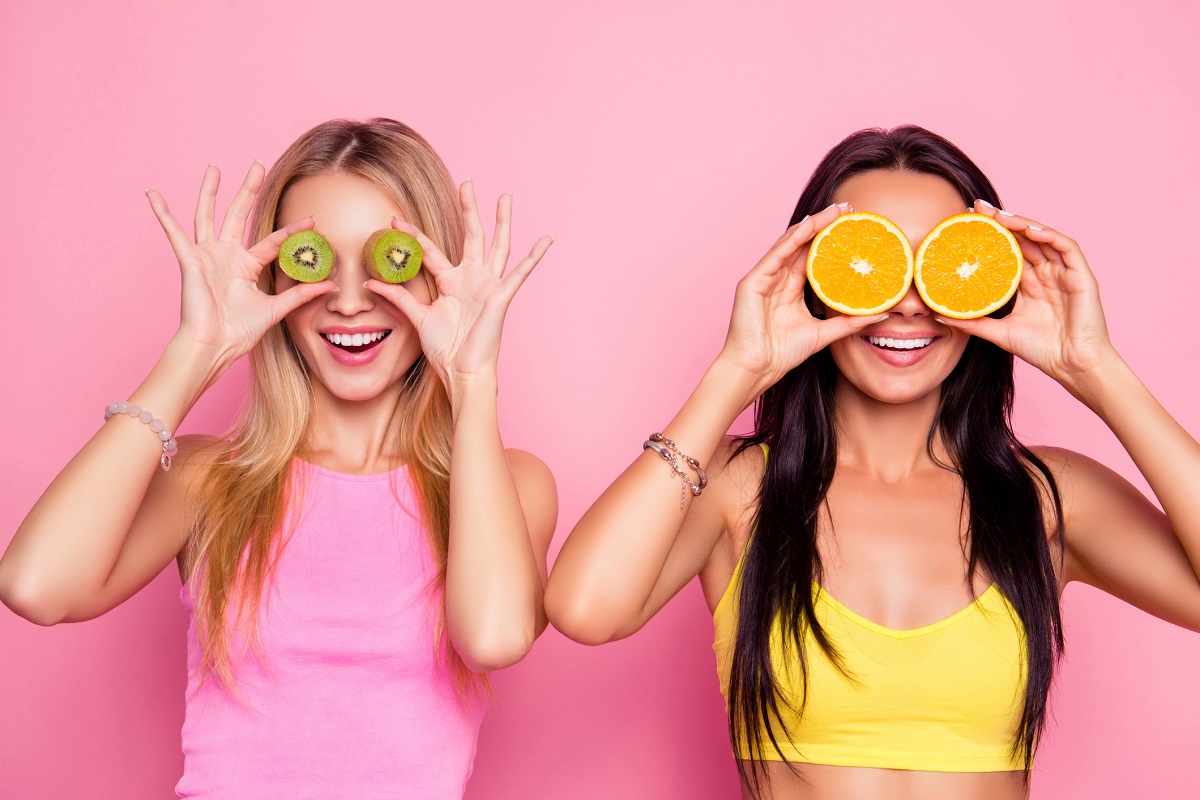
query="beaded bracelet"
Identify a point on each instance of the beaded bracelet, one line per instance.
(667, 450)
(169, 445)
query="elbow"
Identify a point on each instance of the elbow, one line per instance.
(496, 647)
(574, 617)
(25, 599)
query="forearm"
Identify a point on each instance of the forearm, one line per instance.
(493, 582)
(1165, 453)
(71, 539)
(607, 570)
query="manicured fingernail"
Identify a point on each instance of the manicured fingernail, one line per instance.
(1034, 228)
(256, 161)
(1006, 214)
(843, 205)
(984, 203)
(553, 239)
(365, 283)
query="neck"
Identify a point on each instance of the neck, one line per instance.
(888, 441)
(354, 436)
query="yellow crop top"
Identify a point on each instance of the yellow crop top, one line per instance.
(945, 697)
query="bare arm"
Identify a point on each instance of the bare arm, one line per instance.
(635, 548)
(503, 506)
(112, 519)
(1116, 539)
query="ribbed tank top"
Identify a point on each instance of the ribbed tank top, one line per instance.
(351, 697)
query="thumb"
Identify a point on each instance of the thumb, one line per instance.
(289, 300)
(984, 327)
(845, 325)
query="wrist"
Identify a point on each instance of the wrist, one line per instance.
(1095, 386)
(471, 388)
(197, 358)
(742, 384)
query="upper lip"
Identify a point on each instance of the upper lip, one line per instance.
(902, 334)
(344, 329)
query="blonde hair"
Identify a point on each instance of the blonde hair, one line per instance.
(243, 495)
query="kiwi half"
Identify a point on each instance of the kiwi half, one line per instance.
(306, 256)
(392, 256)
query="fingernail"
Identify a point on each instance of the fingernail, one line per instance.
(1034, 228)
(806, 216)
(1006, 214)
(365, 283)
(553, 239)
(843, 205)
(256, 161)
(985, 203)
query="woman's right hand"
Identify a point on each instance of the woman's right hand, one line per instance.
(223, 310)
(771, 330)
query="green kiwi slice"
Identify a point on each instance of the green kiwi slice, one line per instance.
(306, 256)
(392, 256)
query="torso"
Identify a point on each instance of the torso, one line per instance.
(352, 697)
(899, 560)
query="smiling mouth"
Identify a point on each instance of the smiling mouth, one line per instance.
(889, 343)
(357, 342)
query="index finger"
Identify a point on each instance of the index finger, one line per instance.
(433, 258)
(176, 235)
(785, 250)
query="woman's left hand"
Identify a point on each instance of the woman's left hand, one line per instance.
(1057, 324)
(460, 330)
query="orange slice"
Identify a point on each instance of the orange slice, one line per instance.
(968, 266)
(861, 264)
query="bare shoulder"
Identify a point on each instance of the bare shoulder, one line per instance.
(528, 466)
(734, 479)
(1079, 479)
(178, 488)
(538, 494)
(740, 468)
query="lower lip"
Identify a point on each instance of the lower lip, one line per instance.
(900, 358)
(354, 359)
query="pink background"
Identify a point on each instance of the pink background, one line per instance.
(664, 145)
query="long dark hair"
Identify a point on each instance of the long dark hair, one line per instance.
(795, 418)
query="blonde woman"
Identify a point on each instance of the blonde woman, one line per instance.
(348, 589)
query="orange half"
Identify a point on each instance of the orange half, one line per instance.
(861, 264)
(968, 266)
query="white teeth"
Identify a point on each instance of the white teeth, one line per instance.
(900, 344)
(354, 340)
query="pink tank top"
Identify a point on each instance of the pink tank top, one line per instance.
(351, 698)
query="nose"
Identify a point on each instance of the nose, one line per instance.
(911, 306)
(351, 297)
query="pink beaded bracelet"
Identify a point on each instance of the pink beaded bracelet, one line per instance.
(169, 445)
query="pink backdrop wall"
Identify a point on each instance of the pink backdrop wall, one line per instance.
(664, 145)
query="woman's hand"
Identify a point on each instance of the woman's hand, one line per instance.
(1057, 324)
(460, 330)
(223, 310)
(771, 330)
